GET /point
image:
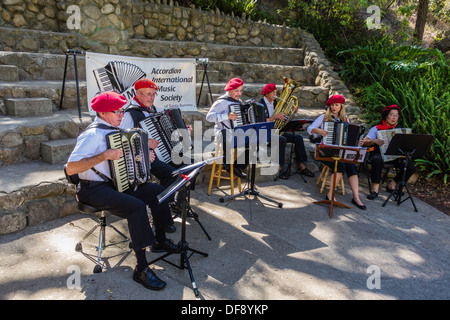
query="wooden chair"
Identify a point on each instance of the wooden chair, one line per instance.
(217, 171)
(323, 178)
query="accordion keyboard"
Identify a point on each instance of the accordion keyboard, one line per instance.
(120, 170)
(236, 108)
(156, 131)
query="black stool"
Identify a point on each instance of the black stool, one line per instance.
(101, 215)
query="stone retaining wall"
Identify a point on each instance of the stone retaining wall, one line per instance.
(37, 204)
(108, 25)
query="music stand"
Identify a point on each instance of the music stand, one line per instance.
(251, 189)
(189, 211)
(407, 145)
(182, 182)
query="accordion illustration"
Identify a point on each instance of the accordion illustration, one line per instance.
(166, 127)
(133, 168)
(247, 113)
(117, 76)
(341, 133)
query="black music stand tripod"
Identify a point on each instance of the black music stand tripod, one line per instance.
(407, 145)
(251, 190)
(190, 212)
(183, 245)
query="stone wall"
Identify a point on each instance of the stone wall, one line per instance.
(108, 25)
(37, 204)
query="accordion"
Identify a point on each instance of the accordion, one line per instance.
(386, 136)
(166, 127)
(247, 113)
(117, 76)
(133, 168)
(341, 133)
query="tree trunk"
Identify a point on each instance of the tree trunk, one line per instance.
(422, 12)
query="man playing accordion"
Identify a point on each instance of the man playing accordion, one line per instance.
(90, 161)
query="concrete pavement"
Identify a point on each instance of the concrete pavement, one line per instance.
(257, 252)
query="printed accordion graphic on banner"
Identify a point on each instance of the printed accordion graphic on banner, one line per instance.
(176, 79)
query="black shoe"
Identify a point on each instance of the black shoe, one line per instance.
(148, 279)
(238, 173)
(372, 195)
(363, 207)
(170, 229)
(166, 246)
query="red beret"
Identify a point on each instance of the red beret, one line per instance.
(269, 88)
(234, 84)
(145, 83)
(389, 108)
(108, 101)
(337, 98)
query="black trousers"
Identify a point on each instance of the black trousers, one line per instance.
(299, 147)
(130, 205)
(378, 164)
(226, 158)
(163, 172)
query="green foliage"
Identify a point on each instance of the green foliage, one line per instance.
(335, 24)
(416, 79)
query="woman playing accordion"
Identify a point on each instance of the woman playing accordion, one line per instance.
(389, 120)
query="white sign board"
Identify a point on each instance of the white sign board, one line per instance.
(176, 79)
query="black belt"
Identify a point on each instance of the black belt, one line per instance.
(91, 183)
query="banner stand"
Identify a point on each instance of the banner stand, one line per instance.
(204, 61)
(74, 53)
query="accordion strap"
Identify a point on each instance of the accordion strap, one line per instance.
(101, 175)
(105, 127)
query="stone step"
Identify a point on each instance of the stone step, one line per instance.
(40, 66)
(9, 73)
(308, 96)
(21, 137)
(26, 107)
(40, 41)
(50, 89)
(216, 52)
(57, 151)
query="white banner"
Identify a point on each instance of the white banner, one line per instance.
(176, 79)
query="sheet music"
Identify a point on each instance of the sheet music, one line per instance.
(345, 153)
(386, 136)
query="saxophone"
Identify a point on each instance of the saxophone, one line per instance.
(287, 104)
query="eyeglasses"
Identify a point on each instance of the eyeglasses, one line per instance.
(118, 112)
(150, 95)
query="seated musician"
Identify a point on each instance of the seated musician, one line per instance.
(270, 92)
(221, 115)
(97, 188)
(336, 112)
(389, 120)
(141, 107)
